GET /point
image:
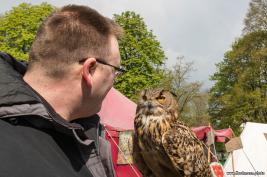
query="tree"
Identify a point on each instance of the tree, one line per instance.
(141, 55)
(18, 28)
(239, 94)
(193, 103)
(256, 18)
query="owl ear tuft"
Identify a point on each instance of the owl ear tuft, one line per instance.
(143, 94)
(173, 94)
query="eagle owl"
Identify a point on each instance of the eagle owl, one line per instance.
(163, 145)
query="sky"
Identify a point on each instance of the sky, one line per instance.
(200, 30)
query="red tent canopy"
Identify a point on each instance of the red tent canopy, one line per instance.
(117, 111)
(220, 135)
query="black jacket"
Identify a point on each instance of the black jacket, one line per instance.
(36, 142)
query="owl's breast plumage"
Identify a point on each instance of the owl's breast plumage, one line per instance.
(150, 129)
(149, 132)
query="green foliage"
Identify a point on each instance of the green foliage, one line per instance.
(18, 28)
(256, 18)
(239, 94)
(141, 54)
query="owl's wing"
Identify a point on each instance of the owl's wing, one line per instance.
(139, 160)
(186, 152)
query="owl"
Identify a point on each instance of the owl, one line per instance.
(163, 145)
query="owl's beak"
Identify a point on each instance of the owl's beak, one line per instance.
(149, 105)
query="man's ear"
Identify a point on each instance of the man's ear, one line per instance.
(87, 71)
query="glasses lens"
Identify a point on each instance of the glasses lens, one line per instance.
(118, 73)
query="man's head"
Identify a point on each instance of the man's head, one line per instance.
(76, 42)
(70, 34)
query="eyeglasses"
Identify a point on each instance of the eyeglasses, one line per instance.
(118, 70)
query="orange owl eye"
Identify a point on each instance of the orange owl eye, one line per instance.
(161, 99)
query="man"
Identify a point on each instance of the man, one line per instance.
(48, 125)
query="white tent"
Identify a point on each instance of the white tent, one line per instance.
(251, 160)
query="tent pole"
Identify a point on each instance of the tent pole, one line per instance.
(209, 149)
(233, 163)
(209, 154)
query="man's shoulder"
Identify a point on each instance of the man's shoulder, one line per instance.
(15, 130)
(30, 151)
